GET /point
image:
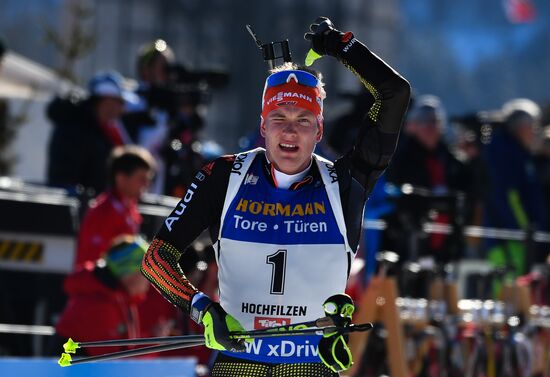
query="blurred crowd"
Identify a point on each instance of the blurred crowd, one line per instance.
(126, 138)
(485, 169)
(160, 111)
(471, 186)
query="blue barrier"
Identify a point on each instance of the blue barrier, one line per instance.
(46, 367)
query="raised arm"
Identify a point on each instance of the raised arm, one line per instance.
(379, 131)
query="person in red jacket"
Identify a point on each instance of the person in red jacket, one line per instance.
(104, 298)
(115, 211)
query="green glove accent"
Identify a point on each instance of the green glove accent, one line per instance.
(217, 327)
(311, 57)
(335, 353)
(507, 254)
(65, 360)
(333, 350)
(339, 308)
(343, 309)
(514, 201)
(71, 346)
(325, 39)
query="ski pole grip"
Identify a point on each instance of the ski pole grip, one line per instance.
(325, 322)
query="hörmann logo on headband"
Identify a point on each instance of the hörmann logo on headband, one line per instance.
(282, 95)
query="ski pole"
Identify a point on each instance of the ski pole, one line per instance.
(66, 359)
(71, 346)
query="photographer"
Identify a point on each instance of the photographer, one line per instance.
(167, 118)
(147, 122)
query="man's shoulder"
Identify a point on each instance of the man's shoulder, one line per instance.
(220, 166)
(224, 164)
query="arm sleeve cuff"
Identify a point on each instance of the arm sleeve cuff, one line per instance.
(199, 303)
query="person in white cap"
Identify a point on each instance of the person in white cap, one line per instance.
(515, 199)
(84, 134)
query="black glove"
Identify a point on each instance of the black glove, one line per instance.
(326, 39)
(217, 324)
(333, 350)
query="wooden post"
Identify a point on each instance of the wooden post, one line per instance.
(518, 297)
(378, 304)
(436, 290)
(392, 322)
(451, 297)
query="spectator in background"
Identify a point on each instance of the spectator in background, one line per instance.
(115, 212)
(152, 128)
(515, 199)
(85, 132)
(153, 62)
(543, 165)
(468, 148)
(104, 297)
(169, 114)
(424, 160)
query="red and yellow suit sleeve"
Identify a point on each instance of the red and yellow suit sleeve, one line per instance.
(160, 266)
(199, 209)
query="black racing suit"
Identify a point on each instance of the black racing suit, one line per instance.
(357, 172)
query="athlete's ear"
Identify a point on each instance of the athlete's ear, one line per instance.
(320, 129)
(262, 127)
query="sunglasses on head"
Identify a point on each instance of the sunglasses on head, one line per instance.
(301, 77)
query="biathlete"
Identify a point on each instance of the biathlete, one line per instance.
(285, 222)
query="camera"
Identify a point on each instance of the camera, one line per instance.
(184, 88)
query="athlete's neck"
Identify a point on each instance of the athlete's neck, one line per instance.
(283, 180)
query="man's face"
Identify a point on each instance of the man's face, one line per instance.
(134, 184)
(526, 133)
(110, 109)
(135, 284)
(290, 136)
(427, 132)
(156, 72)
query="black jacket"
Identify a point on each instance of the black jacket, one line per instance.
(78, 149)
(409, 165)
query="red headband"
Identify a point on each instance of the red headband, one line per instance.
(294, 94)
